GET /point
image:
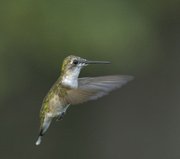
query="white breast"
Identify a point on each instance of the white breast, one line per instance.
(69, 82)
(70, 79)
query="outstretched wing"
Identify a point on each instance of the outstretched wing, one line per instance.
(93, 88)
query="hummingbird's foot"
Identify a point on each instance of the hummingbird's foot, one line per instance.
(61, 116)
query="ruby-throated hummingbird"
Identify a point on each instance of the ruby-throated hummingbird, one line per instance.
(69, 89)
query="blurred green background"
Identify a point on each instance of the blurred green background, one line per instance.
(141, 38)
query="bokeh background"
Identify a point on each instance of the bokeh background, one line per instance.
(141, 38)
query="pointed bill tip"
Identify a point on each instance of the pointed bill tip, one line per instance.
(97, 62)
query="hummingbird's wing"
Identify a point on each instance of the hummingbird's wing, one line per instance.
(93, 88)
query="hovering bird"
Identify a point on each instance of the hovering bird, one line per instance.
(69, 89)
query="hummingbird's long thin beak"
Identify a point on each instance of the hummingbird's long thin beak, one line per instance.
(97, 62)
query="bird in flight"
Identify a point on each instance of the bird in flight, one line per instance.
(69, 90)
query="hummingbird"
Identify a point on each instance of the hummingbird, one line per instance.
(70, 90)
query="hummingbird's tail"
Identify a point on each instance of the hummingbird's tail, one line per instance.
(44, 128)
(39, 140)
(40, 137)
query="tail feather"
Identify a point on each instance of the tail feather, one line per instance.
(39, 140)
(45, 126)
(40, 137)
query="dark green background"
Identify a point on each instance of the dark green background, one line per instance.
(140, 38)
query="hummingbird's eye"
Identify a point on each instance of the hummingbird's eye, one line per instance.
(75, 62)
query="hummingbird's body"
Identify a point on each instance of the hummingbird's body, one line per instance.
(69, 89)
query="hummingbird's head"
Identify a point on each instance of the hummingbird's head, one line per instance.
(75, 63)
(72, 63)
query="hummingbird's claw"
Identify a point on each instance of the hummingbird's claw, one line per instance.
(61, 116)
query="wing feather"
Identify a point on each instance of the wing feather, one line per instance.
(93, 88)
